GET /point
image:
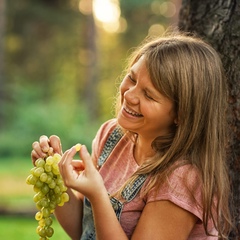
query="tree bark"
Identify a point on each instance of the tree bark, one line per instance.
(218, 22)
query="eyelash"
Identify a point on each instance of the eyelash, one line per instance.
(148, 97)
(145, 93)
(130, 77)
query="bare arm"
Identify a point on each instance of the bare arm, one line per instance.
(70, 215)
(163, 220)
(106, 223)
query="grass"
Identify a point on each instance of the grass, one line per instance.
(16, 203)
(15, 193)
(15, 228)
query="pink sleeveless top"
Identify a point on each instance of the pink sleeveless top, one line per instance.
(183, 186)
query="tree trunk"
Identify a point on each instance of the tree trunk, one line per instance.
(218, 22)
(2, 75)
(91, 85)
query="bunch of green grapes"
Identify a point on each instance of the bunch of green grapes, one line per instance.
(50, 192)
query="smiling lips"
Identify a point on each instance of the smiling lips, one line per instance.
(133, 113)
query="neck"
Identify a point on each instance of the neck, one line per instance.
(142, 150)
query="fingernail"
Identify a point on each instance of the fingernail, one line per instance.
(84, 149)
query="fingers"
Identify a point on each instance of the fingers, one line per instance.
(78, 165)
(44, 143)
(70, 168)
(46, 146)
(55, 143)
(66, 168)
(37, 151)
(86, 158)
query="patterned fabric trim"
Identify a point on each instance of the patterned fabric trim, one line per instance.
(111, 142)
(131, 190)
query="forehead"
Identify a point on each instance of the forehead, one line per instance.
(140, 74)
(139, 67)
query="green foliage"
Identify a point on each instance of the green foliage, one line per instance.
(47, 59)
(31, 119)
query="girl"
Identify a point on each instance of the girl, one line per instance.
(157, 171)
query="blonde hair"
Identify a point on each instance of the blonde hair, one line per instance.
(189, 72)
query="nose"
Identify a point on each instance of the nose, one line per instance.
(131, 96)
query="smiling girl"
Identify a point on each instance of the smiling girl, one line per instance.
(157, 171)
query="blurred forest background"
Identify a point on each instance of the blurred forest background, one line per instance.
(60, 65)
(61, 61)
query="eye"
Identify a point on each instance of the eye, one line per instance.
(148, 96)
(132, 80)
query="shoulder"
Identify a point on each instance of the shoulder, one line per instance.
(187, 174)
(182, 187)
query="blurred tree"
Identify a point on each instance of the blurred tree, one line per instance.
(91, 83)
(218, 22)
(58, 60)
(2, 56)
(140, 15)
(43, 42)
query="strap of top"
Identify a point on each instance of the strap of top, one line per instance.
(111, 142)
(131, 190)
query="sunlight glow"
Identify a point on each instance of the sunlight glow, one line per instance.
(156, 30)
(85, 7)
(167, 8)
(107, 13)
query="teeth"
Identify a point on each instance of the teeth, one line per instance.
(132, 113)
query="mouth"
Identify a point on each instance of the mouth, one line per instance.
(131, 112)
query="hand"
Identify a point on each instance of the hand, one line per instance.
(88, 181)
(46, 146)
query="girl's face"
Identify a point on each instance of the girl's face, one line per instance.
(144, 110)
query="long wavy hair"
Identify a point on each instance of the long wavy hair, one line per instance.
(189, 72)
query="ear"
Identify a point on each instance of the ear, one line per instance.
(176, 121)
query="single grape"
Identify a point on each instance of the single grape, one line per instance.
(52, 184)
(46, 212)
(49, 231)
(38, 216)
(44, 202)
(44, 189)
(38, 171)
(50, 160)
(48, 221)
(49, 179)
(48, 168)
(32, 170)
(43, 177)
(39, 183)
(31, 179)
(65, 197)
(42, 232)
(40, 162)
(36, 189)
(41, 222)
(78, 147)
